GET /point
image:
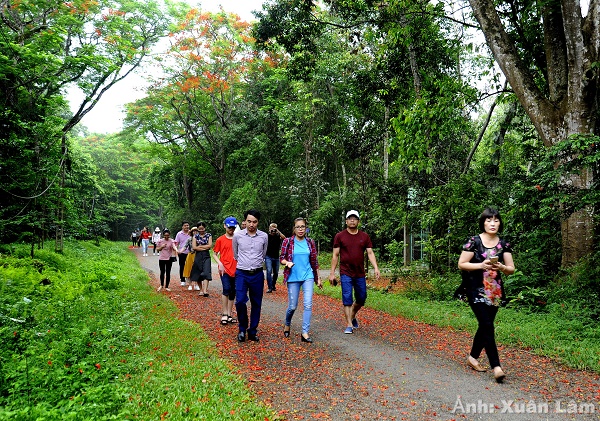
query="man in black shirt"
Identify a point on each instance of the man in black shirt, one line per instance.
(272, 257)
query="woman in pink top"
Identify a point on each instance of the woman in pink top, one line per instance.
(166, 248)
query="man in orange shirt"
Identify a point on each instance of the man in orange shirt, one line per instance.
(223, 255)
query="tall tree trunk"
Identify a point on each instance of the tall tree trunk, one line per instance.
(60, 211)
(572, 45)
(480, 136)
(414, 67)
(498, 141)
(60, 216)
(187, 189)
(406, 250)
(386, 144)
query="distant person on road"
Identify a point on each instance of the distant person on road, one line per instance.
(272, 257)
(223, 255)
(138, 234)
(484, 258)
(201, 271)
(249, 249)
(166, 249)
(349, 248)
(299, 256)
(134, 238)
(180, 240)
(145, 235)
(155, 239)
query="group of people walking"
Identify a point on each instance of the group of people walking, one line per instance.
(241, 252)
(298, 255)
(191, 248)
(163, 246)
(143, 238)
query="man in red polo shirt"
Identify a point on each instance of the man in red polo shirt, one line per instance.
(349, 248)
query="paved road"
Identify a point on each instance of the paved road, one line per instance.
(390, 369)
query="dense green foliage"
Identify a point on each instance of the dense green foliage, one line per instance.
(121, 200)
(310, 112)
(46, 47)
(83, 338)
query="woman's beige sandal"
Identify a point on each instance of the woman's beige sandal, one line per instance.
(474, 364)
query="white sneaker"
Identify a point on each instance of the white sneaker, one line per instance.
(167, 289)
(183, 284)
(190, 288)
(197, 287)
(153, 254)
(159, 289)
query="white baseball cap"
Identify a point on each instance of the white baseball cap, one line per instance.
(352, 213)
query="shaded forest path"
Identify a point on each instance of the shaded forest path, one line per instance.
(389, 369)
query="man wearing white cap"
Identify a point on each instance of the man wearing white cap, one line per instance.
(349, 248)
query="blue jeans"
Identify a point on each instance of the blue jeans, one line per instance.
(228, 283)
(294, 295)
(252, 286)
(360, 290)
(145, 243)
(272, 265)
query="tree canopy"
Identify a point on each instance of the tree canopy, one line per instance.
(391, 108)
(46, 46)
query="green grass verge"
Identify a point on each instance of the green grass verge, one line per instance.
(564, 333)
(83, 337)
